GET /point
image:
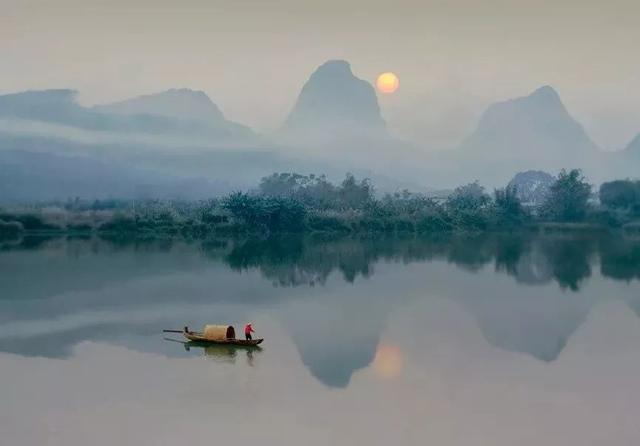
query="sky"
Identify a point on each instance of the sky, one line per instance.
(252, 57)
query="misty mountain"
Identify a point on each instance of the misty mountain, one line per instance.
(37, 163)
(337, 120)
(335, 127)
(53, 148)
(631, 154)
(178, 104)
(60, 107)
(42, 168)
(174, 103)
(634, 146)
(625, 163)
(154, 117)
(536, 125)
(335, 104)
(531, 132)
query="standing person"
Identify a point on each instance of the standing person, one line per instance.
(248, 329)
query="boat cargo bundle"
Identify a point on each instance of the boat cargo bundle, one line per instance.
(218, 332)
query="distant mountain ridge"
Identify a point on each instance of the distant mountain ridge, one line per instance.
(626, 162)
(336, 123)
(535, 124)
(180, 103)
(54, 106)
(172, 112)
(634, 146)
(530, 132)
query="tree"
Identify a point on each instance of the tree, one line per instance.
(244, 207)
(405, 203)
(312, 190)
(568, 198)
(283, 184)
(620, 194)
(318, 192)
(354, 194)
(507, 208)
(467, 207)
(283, 214)
(10, 229)
(468, 197)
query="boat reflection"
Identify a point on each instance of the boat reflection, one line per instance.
(219, 352)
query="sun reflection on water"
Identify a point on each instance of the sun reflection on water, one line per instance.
(388, 362)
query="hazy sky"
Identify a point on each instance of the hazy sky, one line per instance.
(252, 56)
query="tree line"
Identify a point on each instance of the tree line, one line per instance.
(291, 202)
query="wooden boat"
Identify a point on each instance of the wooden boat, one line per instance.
(199, 337)
(216, 334)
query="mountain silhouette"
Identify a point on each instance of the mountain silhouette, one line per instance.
(625, 162)
(532, 125)
(530, 132)
(633, 149)
(335, 102)
(53, 106)
(176, 112)
(181, 104)
(175, 103)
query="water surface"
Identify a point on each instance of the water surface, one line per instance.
(457, 340)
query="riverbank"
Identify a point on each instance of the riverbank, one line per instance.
(133, 227)
(291, 203)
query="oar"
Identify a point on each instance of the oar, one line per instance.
(174, 340)
(173, 331)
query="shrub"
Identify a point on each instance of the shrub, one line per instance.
(327, 223)
(80, 227)
(404, 225)
(30, 222)
(507, 211)
(607, 217)
(10, 229)
(471, 220)
(433, 222)
(620, 194)
(120, 224)
(266, 213)
(466, 198)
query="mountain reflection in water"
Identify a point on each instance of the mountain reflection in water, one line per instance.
(333, 296)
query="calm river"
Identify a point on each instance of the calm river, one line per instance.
(488, 340)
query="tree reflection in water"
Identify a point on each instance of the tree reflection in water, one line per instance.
(529, 258)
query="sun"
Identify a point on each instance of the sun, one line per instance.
(387, 83)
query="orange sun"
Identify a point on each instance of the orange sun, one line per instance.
(387, 83)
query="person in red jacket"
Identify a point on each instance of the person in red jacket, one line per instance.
(248, 329)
